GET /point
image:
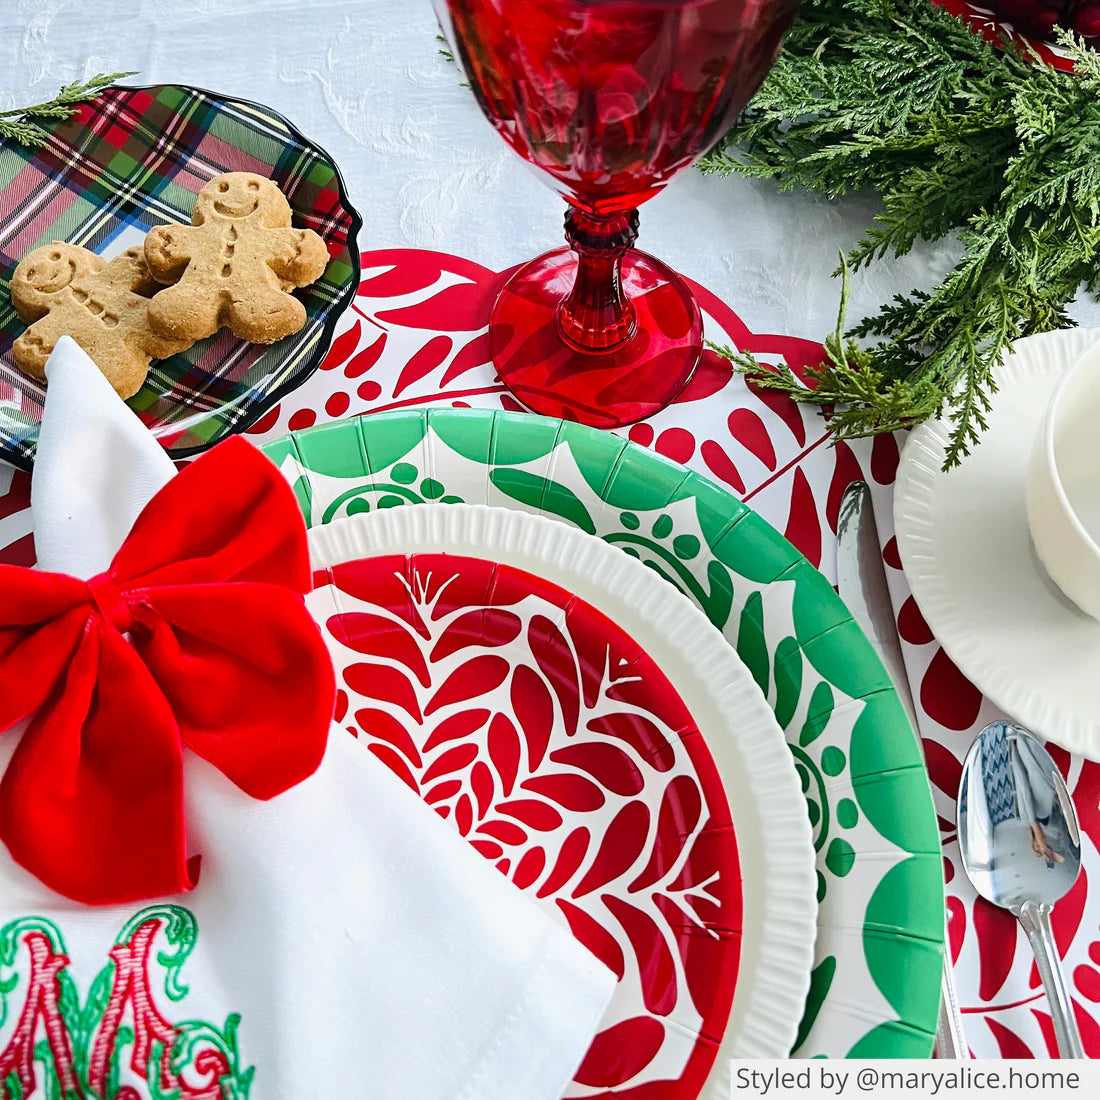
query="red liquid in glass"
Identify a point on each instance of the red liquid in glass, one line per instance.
(610, 98)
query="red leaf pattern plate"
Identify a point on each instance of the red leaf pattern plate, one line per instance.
(533, 676)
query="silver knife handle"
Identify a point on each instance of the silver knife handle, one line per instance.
(950, 1038)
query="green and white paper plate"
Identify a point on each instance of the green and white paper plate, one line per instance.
(875, 986)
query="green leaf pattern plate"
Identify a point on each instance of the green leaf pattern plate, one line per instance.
(875, 986)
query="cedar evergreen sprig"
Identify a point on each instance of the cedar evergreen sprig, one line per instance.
(20, 126)
(956, 135)
(849, 374)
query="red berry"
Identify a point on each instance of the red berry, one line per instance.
(1018, 9)
(1042, 23)
(1086, 20)
(1032, 17)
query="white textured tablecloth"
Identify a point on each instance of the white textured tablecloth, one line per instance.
(365, 80)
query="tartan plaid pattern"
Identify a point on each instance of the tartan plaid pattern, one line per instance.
(135, 158)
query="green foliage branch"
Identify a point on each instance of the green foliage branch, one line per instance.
(957, 135)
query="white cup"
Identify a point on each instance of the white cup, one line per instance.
(1063, 485)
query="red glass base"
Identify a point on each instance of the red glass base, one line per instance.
(603, 389)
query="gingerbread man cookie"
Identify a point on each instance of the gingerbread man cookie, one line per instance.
(234, 265)
(64, 290)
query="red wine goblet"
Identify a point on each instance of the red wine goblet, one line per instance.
(609, 98)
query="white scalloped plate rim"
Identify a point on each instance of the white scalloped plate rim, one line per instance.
(951, 590)
(775, 843)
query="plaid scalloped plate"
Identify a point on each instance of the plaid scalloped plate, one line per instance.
(134, 158)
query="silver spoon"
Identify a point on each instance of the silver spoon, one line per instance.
(1021, 847)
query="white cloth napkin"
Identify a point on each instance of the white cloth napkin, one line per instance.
(97, 466)
(369, 951)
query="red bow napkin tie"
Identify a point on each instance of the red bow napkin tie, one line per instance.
(223, 658)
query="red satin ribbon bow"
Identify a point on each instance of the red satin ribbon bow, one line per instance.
(223, 658)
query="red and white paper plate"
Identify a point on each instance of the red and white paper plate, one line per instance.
(590, 732)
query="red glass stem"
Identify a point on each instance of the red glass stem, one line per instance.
(596, 316)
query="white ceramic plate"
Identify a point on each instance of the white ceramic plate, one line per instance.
(748, 748)
(964, 543)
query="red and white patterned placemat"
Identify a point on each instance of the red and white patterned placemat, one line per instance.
(415, 335)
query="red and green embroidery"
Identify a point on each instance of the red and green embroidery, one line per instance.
(59, 1049)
